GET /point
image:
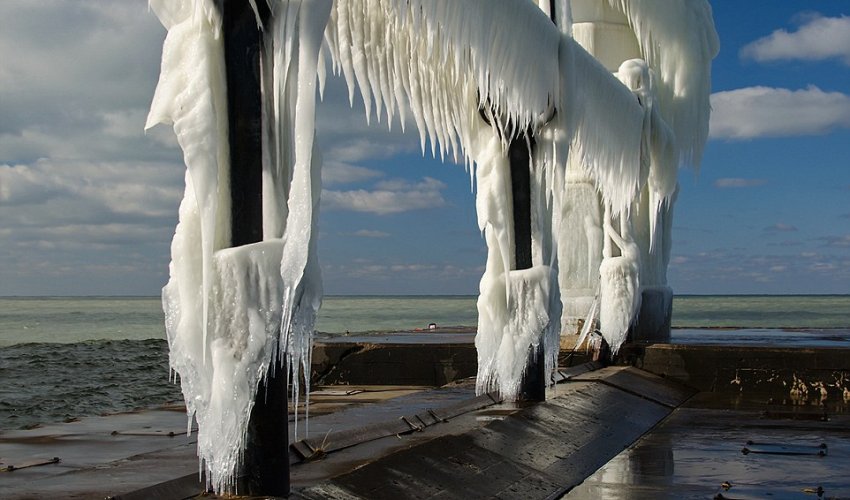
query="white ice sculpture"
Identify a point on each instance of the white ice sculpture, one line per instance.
(231, 313)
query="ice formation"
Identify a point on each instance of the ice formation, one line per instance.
(232, 313)
(661, 51)
(445, 63)
(606, 145)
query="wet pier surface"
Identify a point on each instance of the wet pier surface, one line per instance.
(707, 449)
(504, 450)
(99, 457)
(95, 456)
(673, 425)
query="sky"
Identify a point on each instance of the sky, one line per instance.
(88, 200)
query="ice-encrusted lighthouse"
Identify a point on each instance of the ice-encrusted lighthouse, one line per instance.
(662, 51)
(615, 100)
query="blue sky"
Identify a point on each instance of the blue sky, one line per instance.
(88, 202)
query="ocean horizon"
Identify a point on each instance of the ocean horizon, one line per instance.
(69, 319)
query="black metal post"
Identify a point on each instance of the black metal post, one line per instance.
(533, 387)
(265, 467)
(242, 47)
(519, 155)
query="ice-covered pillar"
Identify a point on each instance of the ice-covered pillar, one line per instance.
(606, 34)
(533, 386)
(264, 470)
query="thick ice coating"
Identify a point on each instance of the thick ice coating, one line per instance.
(472, 76)
(232, 313)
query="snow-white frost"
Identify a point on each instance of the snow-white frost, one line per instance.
(472, 76)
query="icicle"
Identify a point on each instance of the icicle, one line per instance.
(298, 265)
(431, 49)
(606, 121)
(246, 297)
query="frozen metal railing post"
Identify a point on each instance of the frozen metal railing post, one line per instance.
(533, 386)
(265, 467)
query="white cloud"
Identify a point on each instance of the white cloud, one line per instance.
(735, 182)
(818, 39)
(69, 66)
(61, 217)
(823, 267)
(779, 226)
(403, 276)
(785, 243)
(716, 271)
(87, 236)
(83, 190)
(753, 112)
(342, 173)
(837, 241)
(412, 268)
(389, 197)
(370, 233)
(344, 135)
(349, 146)
(138, 189)
(361, 148)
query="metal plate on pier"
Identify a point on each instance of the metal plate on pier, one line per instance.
(820, 450)
(760, 492)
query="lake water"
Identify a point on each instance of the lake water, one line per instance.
(79, 319)
(66, 357)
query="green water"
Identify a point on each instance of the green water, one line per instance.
(79, 319)
(761, 311)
